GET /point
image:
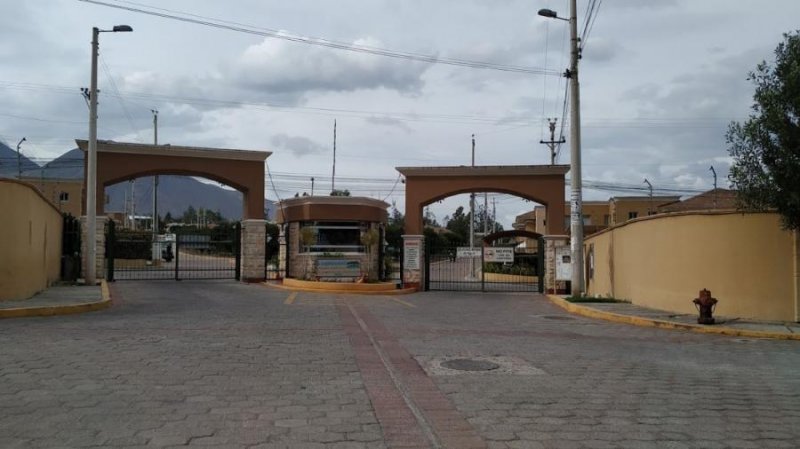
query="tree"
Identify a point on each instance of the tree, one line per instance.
(394, 228)
(337, 192)
(766, 147)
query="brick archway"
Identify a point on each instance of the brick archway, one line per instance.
(541, 183)
(242, 170)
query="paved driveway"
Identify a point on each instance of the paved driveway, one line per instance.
(221, 364)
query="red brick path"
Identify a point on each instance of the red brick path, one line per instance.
(413, 413)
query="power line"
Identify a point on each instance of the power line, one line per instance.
(275, 34)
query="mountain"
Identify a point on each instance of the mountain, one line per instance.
(175, 193)
(8, 161)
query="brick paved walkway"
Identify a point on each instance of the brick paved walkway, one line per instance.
(218, 364)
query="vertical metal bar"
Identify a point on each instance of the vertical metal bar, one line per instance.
(177, 254)
(483, 274)
(540, 265)
(237, 244)
(428, 254)
(111, 240)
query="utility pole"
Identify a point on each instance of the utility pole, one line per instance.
(552, 142)
(472, 204)
(714, 195)
(650, 187)
(312, 186)
(19, 159)
(155, 178)
(333, 177)
(133, 203)
(494, 216)
(485, 214)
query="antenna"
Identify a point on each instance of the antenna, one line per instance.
(333, 177)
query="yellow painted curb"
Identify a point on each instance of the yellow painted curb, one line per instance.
(649, 322)
(402, 291)
(20, 312)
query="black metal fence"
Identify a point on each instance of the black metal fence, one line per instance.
(71, 249)
(187, 254)
(448, 268)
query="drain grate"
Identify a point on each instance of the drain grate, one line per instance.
(470, 365)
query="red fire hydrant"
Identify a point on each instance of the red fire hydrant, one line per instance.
(705, 305)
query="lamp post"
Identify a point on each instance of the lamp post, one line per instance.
(576, 201)
(19, 159)
(91, 166)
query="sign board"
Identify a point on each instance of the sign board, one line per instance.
(411, 255)
(465, 252)
(505, 255)
(563, 263)
(338, 268)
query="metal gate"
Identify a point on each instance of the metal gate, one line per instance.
(185, 254)
(466, 269)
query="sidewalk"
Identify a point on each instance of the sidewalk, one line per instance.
(643, 316)
(59, 300)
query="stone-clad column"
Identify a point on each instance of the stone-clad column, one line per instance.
(253, 247)
(551, 243)
(100, 245)
(414, 261)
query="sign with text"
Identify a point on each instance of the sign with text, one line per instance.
(504, 255)
(465, 252)
(563, 263)
(411, 255)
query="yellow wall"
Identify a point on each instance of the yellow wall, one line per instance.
(30, 241)
(747, 261)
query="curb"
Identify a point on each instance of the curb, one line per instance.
(649, 322)
(21, 312)
(403, 291)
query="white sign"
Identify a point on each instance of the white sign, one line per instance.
(563, 263)
(465, 252)
(505, 255)
(411, 255)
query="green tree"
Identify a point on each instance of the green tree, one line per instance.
(766, 147)
(394, 228)
(458, 223)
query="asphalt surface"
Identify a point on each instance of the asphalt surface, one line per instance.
(222, 364)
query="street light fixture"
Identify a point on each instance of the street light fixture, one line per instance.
(576, 201)
(19, 159)
(91, 166)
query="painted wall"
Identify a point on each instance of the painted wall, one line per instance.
(55, 189)
(30, 241)
(747, 261)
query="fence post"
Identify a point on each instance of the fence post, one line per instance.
(111, 242)
(483, 274)
(427, 268)
(177, 254)
(237, 242)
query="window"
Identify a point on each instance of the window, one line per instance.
(632, 215)
(333, 236)
(606, 219)
(587, 220)
(63, 197)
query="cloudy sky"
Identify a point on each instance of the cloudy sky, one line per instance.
(660, 80)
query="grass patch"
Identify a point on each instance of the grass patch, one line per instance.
(595, 299)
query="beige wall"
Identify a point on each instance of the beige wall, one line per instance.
(747, 261)
(53, 188)
(30, 241)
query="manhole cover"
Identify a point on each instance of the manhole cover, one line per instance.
(557, 317)
(470, 365)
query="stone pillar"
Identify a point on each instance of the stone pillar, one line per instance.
(414, 261)
(551, 242)
(282, 252)
(100, 246)
(253, 250)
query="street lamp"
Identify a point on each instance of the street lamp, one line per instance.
(19, 159)
(91, 166)
(576, 201)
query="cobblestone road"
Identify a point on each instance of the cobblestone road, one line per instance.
(220, 364)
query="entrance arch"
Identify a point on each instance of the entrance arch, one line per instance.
(543, 184)
(242, 170)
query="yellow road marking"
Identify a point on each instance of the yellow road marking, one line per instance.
(400, 301)
(290, 298)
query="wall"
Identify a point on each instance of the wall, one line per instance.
(746, 260)
(30, 241)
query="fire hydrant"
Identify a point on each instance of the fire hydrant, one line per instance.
(705, 305)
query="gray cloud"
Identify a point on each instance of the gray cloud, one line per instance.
(299, 146)
(388, 121)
